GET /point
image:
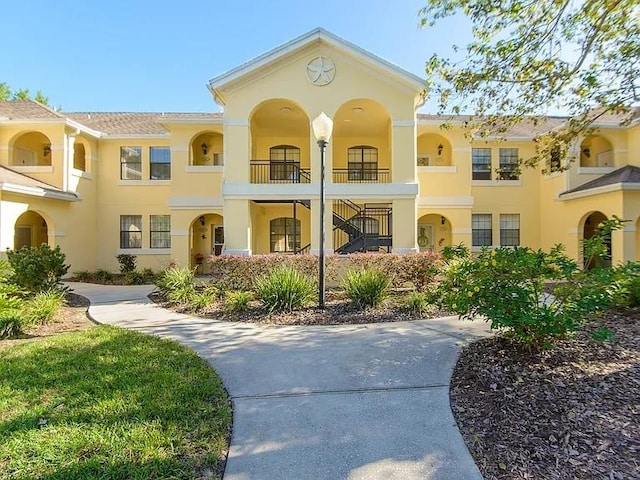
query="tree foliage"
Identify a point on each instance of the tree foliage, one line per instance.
(530, 57)
(6, 93)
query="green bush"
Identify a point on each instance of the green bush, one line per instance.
(507, 287)
(37, 268)
(10, 324)
(127, 262)
(175, 278)
(198, 301)
(43, 307)
(416, 302)
(237, 302)
(135, 278)
(103, 275)
(366, 288)
(285, 289)
(83, 276)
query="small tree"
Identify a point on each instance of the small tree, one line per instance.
(37, 268)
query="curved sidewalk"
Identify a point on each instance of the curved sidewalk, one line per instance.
(322, 402)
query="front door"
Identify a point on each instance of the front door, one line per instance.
(217, 239)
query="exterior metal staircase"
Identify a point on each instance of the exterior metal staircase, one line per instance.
(357, 229)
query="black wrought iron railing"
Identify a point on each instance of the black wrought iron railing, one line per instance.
(347, 175)
(268, 171)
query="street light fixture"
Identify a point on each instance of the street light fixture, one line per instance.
(322, 127)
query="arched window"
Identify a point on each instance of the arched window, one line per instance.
(363, 163)
(285, 234)
(284, 162)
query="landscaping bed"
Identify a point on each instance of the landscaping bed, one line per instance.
(572, 412)
(81, 401)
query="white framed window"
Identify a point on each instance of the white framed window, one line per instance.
(131, 163)
(510, 229)
(481, 164)
(159, 163)
(481, 230)
(160, 231)
(130, 231)
(509, 161)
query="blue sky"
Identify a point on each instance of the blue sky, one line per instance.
(141, 55)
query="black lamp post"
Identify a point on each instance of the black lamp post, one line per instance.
(322, 127)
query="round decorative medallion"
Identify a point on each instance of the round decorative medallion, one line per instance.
(320, 71)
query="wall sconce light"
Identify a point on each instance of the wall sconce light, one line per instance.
(586, 152)
(46, 150)
(203, 236)
(44, 224)
(443, 220)
(201, 218)
(205, 148)
(440, 148)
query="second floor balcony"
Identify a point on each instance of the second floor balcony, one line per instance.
(273, 171)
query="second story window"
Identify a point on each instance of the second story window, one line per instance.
(363, 163)
(131, 163)
(481, 164)
(509, 161)
(284, 162)
(160, 163)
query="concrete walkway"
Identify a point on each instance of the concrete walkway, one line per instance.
(332, 402)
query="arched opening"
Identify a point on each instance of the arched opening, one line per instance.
(31, 149)
(589, 229)
(30, 230)
(434, 150)
(362, 127)
(79, 157)
(434, 232)
(596, 151)
(206, 150)
(280, 143)
(207, 238)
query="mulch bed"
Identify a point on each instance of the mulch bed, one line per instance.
(338, 311)
(569, 413)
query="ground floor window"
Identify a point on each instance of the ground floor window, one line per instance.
(481, 230)
(510, 230)
(285, 235)
(130, 231)
(160, 231)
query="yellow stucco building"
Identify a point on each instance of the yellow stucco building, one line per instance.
(168, 186)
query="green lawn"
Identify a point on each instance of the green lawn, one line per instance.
(109, 404)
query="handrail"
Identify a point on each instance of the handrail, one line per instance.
(349, 175)
(275, 171)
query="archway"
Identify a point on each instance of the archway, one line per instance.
(32, 149)
(30, 230)
(434, 233)
(206, 150)
(434, 150)
(596, 151)
(79, 156)
(589, 229)
(207, 239)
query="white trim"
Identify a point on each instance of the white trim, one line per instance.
(204, 168)
(145, 251)
(189, 203)
(32, 169)
(404, 250)
(496, 183)
(371, 190)
(80, 173)
(242, 251)
(460, 201)
(462, 149)
(595, 170)
(462, 231)
(573, 231)
(127, 136)
(38, 192)
(188, 121)
(59, 233)
(4, 148)
(438, 169)
(144, 183)
(236, 122)
(327, 251)
(295, 191)
(403, 123)
(616, 187)
(629, 228)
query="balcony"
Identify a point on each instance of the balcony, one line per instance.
(268, 171)
(359, 175)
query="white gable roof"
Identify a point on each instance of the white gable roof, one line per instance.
(318, 35)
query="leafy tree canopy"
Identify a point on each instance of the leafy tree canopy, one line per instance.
(531, 57)
(6, 93)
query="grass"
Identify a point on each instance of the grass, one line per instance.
(110, 404)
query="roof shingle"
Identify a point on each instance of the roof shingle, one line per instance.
(626, 174)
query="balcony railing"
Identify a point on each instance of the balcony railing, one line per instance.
(267, 171)
(346, 175)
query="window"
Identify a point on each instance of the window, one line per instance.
(481, 230)
(481, 164)
(284, 162)
(131, 163)
(510, 230)
(509, 161)
(160, 231)
(363, 163)
(130, 231)
(285, 234)
(160, 163)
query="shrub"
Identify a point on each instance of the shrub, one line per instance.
(103, 275)
(149, 275)
(10, 324)
(366, 288)
(416, 302)
(127, 262)
(83, 276)
(236, 302)
(198, 301)
(285, 289)
(507, 287)
(174, 278)
(135, 278)
(37, 268)
(603, 335)
(43, 307)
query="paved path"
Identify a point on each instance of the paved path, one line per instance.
(354, 402)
